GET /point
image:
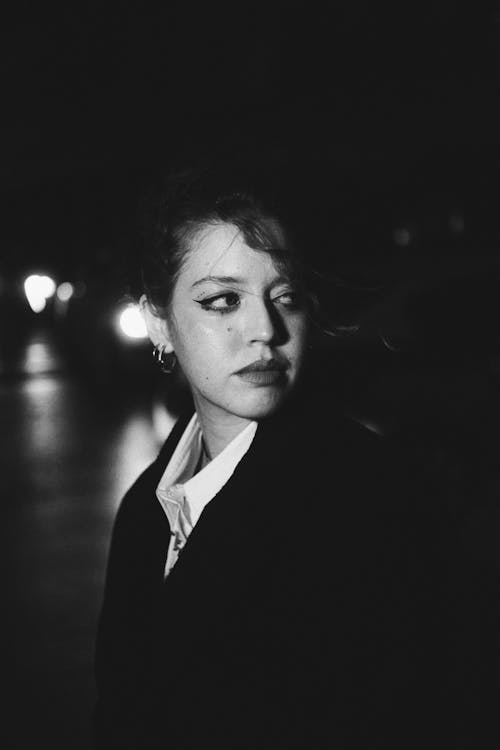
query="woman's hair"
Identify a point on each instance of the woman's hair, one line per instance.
(277, 212)
(189, 202)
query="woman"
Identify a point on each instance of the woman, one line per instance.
(270, 579)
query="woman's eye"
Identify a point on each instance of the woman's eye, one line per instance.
(221, 302)
(288, 299)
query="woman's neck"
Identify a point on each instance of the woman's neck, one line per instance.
(219, 429)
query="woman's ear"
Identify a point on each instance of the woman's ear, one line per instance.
(157, 327)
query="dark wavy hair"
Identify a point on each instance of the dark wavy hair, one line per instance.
(191, 201)
(269, 207)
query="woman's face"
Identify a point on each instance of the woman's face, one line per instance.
(237, 325)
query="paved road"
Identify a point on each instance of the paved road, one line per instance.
(67, 455)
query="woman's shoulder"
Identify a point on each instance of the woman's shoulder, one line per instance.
(315, 418)
(322, 443)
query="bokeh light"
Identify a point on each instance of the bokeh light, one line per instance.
(65, 291)
(131, 323)
(38, 290)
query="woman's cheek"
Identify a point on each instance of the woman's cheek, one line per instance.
(218, 336)
(300, 331)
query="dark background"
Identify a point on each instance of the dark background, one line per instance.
(404, 102)
(387, 121)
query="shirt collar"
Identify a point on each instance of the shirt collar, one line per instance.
(185, 456)
(199, 489)
(210, 480)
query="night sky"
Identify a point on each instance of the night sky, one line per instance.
(403, 104)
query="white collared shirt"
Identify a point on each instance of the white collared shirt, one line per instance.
(183, 494)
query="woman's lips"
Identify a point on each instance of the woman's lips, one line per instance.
(262, 377)
(264, 372)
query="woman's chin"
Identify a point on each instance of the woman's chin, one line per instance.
(260, 404)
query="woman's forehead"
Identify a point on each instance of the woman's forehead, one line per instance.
(221, 250)
(212, 238)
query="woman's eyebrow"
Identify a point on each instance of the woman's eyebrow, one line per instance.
(282, 279)
(219, 280)
(239, 281)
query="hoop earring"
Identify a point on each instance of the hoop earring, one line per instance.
(166, 361)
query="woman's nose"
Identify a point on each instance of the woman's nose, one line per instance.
(260, 324)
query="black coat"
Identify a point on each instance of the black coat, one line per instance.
(310, 607)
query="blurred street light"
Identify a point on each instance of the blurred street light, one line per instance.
(131, 323)
(65, 291)
(402, 236)
(38, 290)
